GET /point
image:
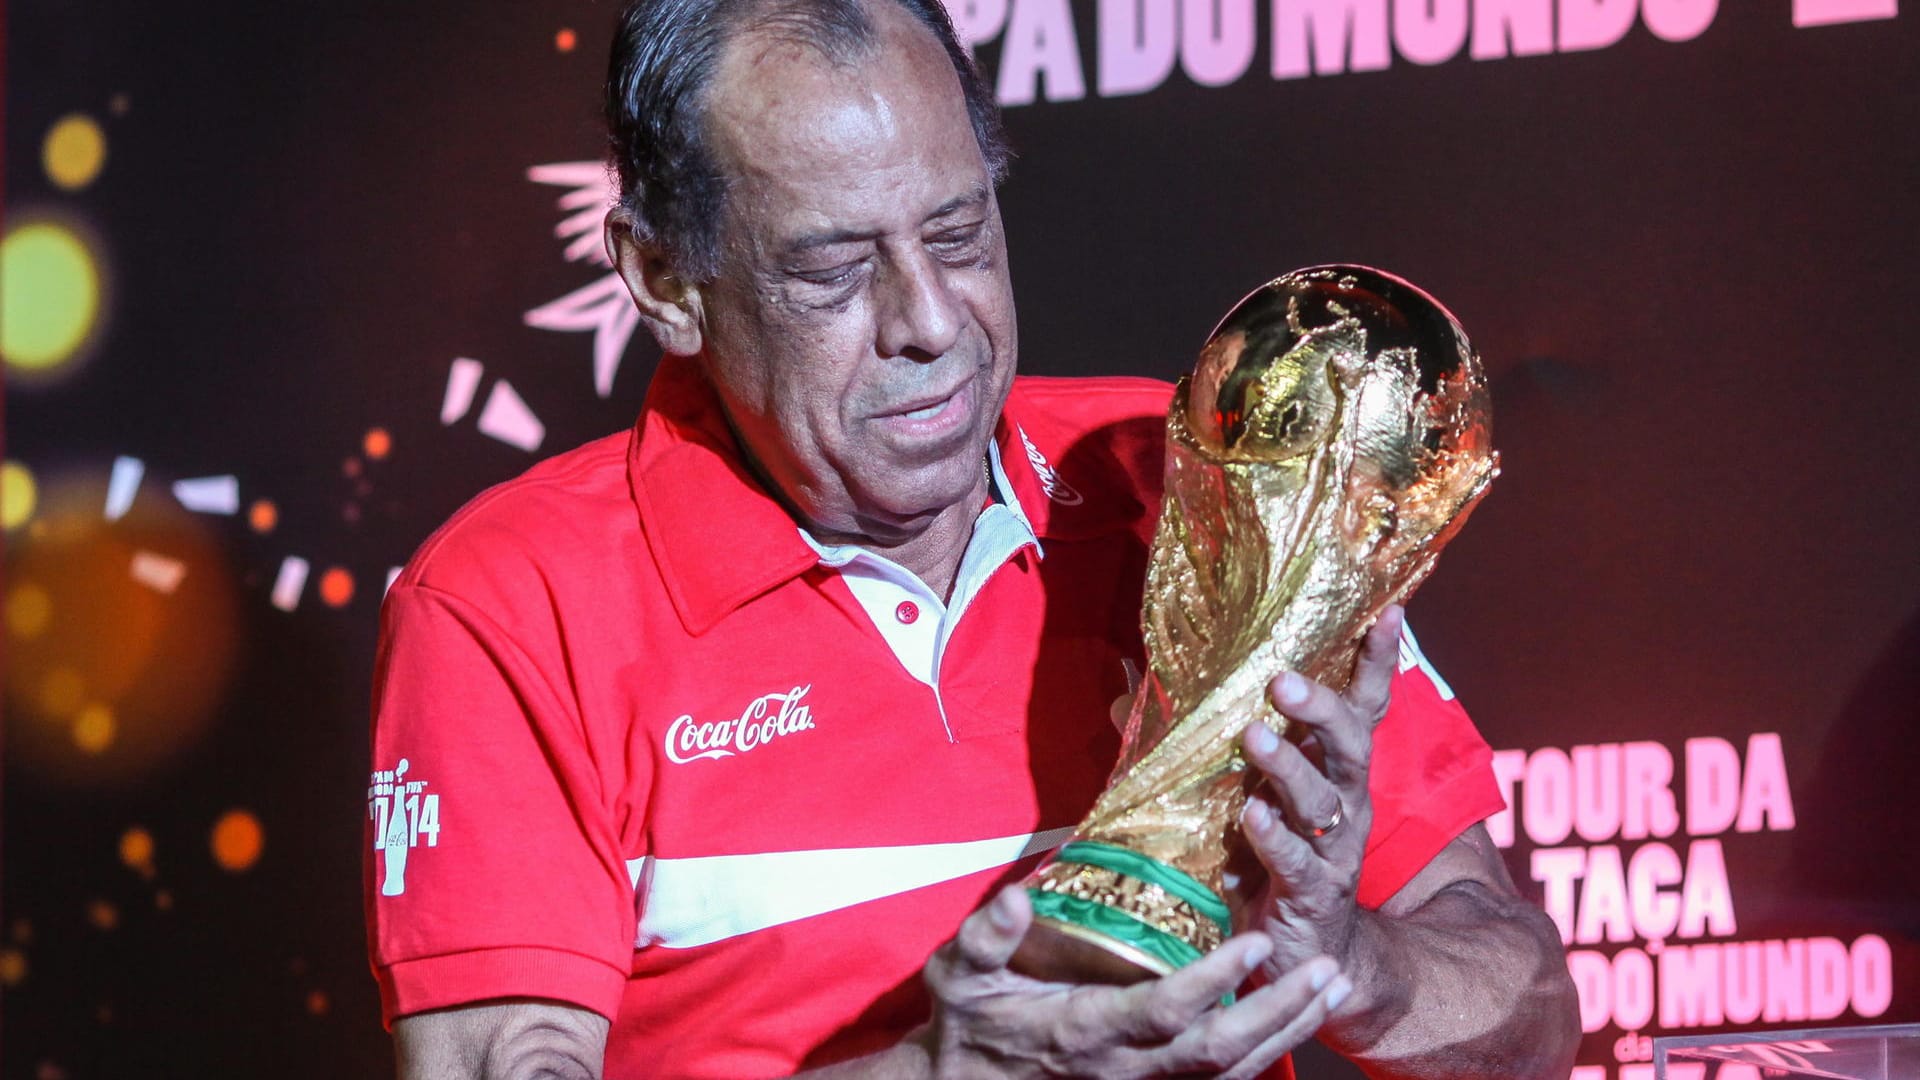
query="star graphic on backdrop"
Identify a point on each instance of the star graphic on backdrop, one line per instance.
(602, 306)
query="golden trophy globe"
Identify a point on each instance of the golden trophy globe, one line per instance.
(1332, 438)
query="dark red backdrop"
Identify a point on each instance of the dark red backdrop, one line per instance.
(1688, 264)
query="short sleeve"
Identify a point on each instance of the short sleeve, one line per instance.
(494, 866)
(1431, 779)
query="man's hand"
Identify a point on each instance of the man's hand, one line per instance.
(1309, 828)
(1455, 975)
(989, 1021)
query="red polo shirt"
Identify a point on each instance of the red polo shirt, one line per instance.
(640, 747)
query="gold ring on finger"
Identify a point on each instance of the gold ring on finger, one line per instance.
(1332, 824)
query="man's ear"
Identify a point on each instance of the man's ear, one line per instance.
(670, 306)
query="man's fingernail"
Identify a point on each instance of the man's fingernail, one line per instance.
(1257, 816)
(1338, 994)
(1262, 738)
(1001, 911)
(1323, 973)
(1293, 689)
(1257, 955)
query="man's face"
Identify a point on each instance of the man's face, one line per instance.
(860, 329)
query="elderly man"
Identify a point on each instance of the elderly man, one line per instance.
(711, 743)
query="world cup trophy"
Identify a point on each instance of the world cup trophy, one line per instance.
(1332, 438)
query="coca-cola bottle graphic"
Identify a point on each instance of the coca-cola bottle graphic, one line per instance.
(394, 843)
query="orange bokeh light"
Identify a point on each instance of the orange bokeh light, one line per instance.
(263, 516)
(336, 587)
(565, 40)
(318, 1003)
(378, 444)
(237, 841)
(62, 692)
(136, 849)
(121, 676)
(103, 915)
(94, 729)
(29, 610)
(13, 967)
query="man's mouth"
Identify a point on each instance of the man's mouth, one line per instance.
(927, 411)
(934, 417)
(924, 408)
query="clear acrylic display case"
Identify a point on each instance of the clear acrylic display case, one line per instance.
(1887, 1052)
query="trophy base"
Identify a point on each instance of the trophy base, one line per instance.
(1058, 951)
(1107, 914)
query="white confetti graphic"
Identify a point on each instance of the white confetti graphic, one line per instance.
(123, 485)
(158, 572)
(463, 381)
(209, 494)
(291, 582)
(508, 419)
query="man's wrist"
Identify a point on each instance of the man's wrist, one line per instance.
(917, 1052)
(1378, 998)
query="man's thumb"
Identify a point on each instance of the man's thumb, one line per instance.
(989, 937)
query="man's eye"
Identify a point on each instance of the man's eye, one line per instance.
(832, 275)
(957, 241)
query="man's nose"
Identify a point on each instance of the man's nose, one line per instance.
(917, 313)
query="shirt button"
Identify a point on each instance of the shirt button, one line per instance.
(907, 612)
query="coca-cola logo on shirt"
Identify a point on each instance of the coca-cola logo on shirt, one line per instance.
(1057, 489)
(766, 718)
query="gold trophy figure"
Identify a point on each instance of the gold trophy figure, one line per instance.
(1330, 441)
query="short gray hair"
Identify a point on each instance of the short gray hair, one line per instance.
(664, 55)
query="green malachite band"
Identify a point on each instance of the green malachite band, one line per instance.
(1115, 924)
(1152, 871)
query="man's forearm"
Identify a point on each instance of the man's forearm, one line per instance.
(502, 1040)
(1471, 984)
